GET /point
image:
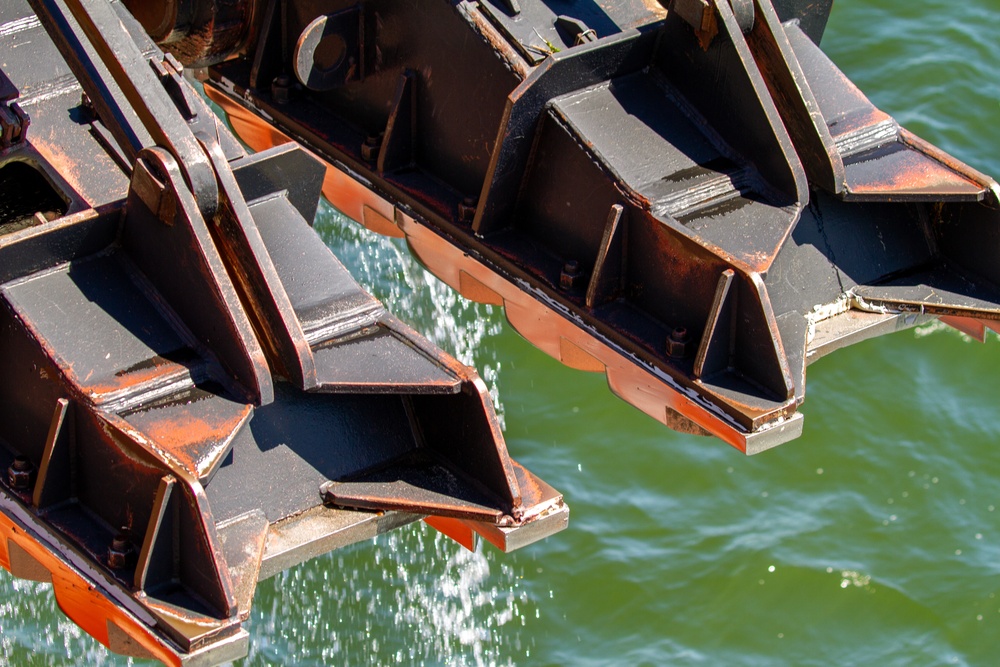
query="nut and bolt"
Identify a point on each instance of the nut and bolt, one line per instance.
(677, 343)
(571, 274)
(119, 551)
(370, 148)
(88, 107)
(281, 89)
(20, 474)
(467, 209)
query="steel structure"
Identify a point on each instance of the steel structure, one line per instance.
(196, 393)
(688, 196)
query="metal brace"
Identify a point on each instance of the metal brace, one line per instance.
(149, 88)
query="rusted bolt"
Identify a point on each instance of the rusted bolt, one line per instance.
(571, 274)
(281, 89)
(677, 343)
(119, 551)
(20, 473)
(87, 106)
(467, 209)
(369, 149)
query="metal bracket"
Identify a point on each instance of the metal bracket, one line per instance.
(13, 125)
(85, 30)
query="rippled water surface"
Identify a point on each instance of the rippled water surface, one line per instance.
(874, 539)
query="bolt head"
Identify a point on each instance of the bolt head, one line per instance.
(571, 275)
(20, 474)
(467, 208)
(677, 343)
(87, 105)
(281, 89)
(370, 148)
(119, 552)
(676, 350)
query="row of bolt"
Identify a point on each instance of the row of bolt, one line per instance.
(572, 276)
(282, 88)
(21, 477)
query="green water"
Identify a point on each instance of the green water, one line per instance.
(874, 539)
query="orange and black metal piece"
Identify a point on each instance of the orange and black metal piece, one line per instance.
(196, 393)
(688, 196)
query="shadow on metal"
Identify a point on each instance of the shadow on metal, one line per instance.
(692, 199)
(197, 394)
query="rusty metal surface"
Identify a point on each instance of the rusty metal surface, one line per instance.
(196, 32)
(187, 366)
(871, 157)
(679, 202)
(687, 196)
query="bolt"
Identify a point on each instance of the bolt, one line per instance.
(677, 343)
(87, 106)
(119, 551)
(571, 274)
(20, 473)
(369, 149)
(281, 89)
(467, 209)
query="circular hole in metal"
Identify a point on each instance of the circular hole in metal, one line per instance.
(330, 53)
(322, 51)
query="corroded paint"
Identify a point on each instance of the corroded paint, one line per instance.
(79, 599)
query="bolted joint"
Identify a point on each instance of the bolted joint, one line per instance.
(571, 276)
(281, 89)
(370, 148)
(677, 343)
(21, 473)
(87, 108)
(120, 552)
(467, 209)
